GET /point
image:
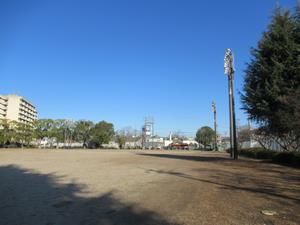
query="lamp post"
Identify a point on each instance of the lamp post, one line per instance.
(229, 70)
(214, 109)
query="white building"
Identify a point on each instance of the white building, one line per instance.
(3, 107)
(154, 143)
(191, 142)
(17, 108)
(168, 142)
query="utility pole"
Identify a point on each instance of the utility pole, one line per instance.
(229, 70)
(214, 109)
(230, 119)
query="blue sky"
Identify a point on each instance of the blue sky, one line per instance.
(123, 60)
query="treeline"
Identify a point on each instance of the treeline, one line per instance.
(92, 135)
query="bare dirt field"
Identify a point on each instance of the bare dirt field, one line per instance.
(86, 187)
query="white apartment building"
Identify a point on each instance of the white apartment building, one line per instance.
(17, 108)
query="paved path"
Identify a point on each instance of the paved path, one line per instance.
(63, 187)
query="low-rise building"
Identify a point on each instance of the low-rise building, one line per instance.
(154, 143)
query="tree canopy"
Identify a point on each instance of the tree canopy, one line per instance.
(205, 136)
(102, 133)
(56, 131)
(82, 131)
(6, 132)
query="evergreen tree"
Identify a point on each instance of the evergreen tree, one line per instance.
(272, 82)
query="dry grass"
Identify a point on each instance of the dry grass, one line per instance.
(143, 187)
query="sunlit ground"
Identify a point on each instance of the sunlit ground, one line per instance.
(143, 187)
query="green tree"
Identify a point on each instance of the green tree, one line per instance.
(121, 140)
(205, 136)
(272, 81)
(24, 133)
(6, 133)
(43, 128)
(82, 131)
(102, 133)
(63, 131)
(13, 132)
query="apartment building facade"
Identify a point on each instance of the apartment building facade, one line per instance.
(17, 108)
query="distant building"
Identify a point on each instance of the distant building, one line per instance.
(3, 107)
(111, 145)
(133, 144)
(17, 108)
(169, 141)
(191, 142)
(154, 143)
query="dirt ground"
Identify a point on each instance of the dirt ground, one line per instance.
(102, 187)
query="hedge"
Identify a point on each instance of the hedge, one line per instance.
(291, 158)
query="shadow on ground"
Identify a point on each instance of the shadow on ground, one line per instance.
(30, 198)
(216, 158)
(189, 157)
(238, 182)
(248, 175)
(276, 188)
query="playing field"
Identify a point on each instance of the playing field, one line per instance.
(105, 187)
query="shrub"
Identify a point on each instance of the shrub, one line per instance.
(286, 157)
(250, 152)
(292, 158)
(265, 154)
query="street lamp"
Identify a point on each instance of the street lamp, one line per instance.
(214, 109)
(229, 70)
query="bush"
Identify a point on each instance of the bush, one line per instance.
(287, 157)
(292, 158)
(265, 154)
(251, 152)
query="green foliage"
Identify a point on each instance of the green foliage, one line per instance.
(58, 131)
(264, 154)
(6, 133)
(43, 128)
(205, 136)
(121, 139)
(15, 132)
(102, 133)
(272, 82)
(291, 158)
(82, 131)
(24, 133)
(287, 157)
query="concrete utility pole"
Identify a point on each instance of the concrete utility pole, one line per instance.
(229, 70)
(230, 119)
(214, 109)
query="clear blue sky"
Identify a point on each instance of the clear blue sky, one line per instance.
(123, 60)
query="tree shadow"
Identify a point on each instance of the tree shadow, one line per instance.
(237, 182)
(30, 198)
(217, 157)
(243, 175)
(209, 158)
